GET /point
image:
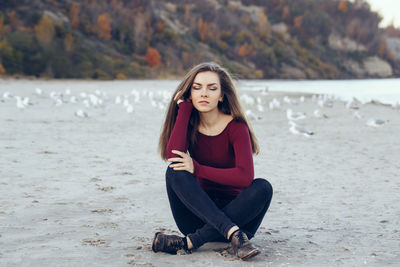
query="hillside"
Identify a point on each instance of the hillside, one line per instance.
(120, 39)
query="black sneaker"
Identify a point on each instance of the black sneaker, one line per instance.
(169, 243)
(242, 246)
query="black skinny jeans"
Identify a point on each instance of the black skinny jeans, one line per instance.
(204, 219)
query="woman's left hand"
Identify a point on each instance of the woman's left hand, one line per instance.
(184, 163)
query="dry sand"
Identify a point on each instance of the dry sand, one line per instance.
(91, 192)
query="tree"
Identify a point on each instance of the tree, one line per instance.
(68, 42)
(202, 28)
(4, 29)
(45, 31)
(342, 6)
(74, 14)
(264, 29)
(153, 58)
(297, 22)
(104, 26)
(285, 13)
(244, 50)
(2, 69)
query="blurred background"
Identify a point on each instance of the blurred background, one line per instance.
(154, 39)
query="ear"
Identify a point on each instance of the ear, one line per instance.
(221, 98)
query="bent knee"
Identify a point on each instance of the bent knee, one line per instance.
(264, 188)
(172, 175)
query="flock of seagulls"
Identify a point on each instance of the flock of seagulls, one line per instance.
(323, 102)
(85, 101)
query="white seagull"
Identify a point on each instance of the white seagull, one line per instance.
(7, 95)
(376, 122)
(357, 115)
(318, 114)
(274, 104)
(294, 116)
(81, 114)
(38, 91)
(251, 115)
(298, 129)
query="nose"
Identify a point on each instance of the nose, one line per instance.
(204, 92)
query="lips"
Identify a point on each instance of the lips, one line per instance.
(204, 102)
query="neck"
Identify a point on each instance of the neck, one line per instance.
(209, 119)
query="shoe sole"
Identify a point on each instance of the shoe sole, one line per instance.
(251, 255)
(154, 240)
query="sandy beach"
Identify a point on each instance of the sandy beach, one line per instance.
(78, 191)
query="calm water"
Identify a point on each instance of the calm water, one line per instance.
(383, 90)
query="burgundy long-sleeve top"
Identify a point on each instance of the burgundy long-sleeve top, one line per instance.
(223, 164)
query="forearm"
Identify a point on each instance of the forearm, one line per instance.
(178, 139)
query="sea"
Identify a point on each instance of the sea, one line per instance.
(385, 91)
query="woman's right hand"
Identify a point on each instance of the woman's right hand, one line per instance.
(179, 98)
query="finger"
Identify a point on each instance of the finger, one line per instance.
(178, 153)
(175, 159)
(177, 165)
(179, 168)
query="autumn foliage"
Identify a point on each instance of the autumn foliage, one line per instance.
(244, 50)
(153, 58)
(2, 69)
(74, 14)
(202, 29)
(342, 6)
(104, 26)
(45, 31)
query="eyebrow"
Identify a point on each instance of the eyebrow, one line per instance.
(207, 84)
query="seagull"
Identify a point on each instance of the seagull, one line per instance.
(20, 103)
(352, 104)
(126, 102)
(264, 91)
(129, 108)
(73, 99)
(260, 107)
(67, 91)
(295, 115)
(274, 104)
(298, 129)
(26, 101)
(318, 114)
(38, 91)
(302, 99)
(288, 100)
(80, 113)
(324, 102)
(7, 95)
(247, 100)
(87, 103)
(376, 122)
(252, 116)
(136, 95)
(357, 115)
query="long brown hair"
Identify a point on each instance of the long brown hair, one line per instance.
(229, 105)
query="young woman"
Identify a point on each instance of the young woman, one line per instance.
(210, 182)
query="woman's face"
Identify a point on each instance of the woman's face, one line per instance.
(206, 91)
